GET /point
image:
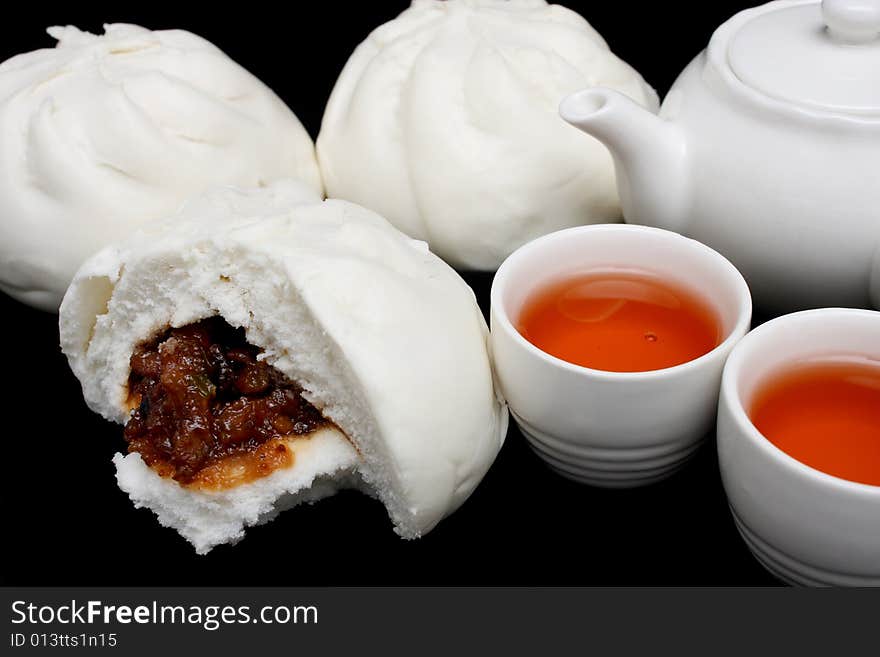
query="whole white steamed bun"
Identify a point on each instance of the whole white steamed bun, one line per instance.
(445, 121)
(104, 133)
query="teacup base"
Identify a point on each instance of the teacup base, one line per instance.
(790, 569)
(608, 468)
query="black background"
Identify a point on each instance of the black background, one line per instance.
(66, 523)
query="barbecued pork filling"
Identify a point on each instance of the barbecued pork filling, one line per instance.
(208, 413)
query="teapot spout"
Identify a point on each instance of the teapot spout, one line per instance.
(648, 152)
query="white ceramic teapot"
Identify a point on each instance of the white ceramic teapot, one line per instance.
(767, 148)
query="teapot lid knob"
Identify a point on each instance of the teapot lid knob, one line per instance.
(852, 21)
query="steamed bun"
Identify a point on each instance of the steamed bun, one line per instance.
(106, 132)
(445, 122)
(385, 339)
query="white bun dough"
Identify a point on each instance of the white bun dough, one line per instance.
(385, 339)
(102, 134)
(445, 121)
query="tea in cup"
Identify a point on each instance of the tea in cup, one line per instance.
(799, 445)
(609, 342)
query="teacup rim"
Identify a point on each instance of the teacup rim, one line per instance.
(740, 328)
(730, 393)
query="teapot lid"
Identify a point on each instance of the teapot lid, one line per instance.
(824, 55)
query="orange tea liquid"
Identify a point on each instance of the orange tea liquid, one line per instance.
(825, 414)
(620, 321)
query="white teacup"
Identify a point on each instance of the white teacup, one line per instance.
(803, 525)
(613, 429)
